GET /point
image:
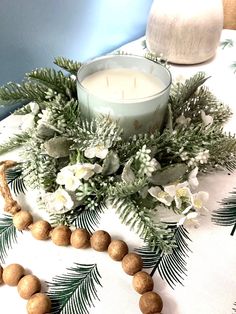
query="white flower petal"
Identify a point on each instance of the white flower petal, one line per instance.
(154, 191)
(101, 153)
(170, 189)
(97, 168)
(90, 152)
(34, 107)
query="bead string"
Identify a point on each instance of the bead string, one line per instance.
(150, 302)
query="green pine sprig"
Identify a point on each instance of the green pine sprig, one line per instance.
(8, 236)
(75, 291)
(68, 65)
(27, 91)
(190, 98)
(14, 142)
(96, 132)
(54, 80)
(157, 235)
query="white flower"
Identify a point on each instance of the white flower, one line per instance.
(58, 202)
(67, 177)
(190, 220)
(161, 195)
(34, 107)
(86, 170)
(71, 176)
(207, 120)
(45, 116)
(99, 151)
(181, 194)
(199, 200)
(73, 77)
(192, 178)
(151, 166)
(202, 157)
(184, 156)
(182, 120)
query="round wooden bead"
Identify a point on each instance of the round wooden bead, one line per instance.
(12, 274)
(80, 239)
(39, 303)
(61, 235)
(1, 271)
(40, 230)
(22, 220)
(142, 282)
(132, 263)
(150, 303)
(100, 240)
(117, 250)
(28, 285)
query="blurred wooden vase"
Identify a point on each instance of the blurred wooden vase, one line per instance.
(185, 31)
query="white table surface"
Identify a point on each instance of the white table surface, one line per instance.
(210, 285)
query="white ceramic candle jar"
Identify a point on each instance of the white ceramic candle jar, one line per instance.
(130, 89)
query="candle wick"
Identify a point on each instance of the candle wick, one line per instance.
(107, 81)
(135, 82)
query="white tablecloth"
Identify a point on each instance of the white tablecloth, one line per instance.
(210, 285)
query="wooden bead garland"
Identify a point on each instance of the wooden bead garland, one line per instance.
(142, 282)
(1, 270)
(61, 235)
(12, 274)
(40, 230)
(150, 303)
(132, 263)
(80, 239)
(117, 250)
(22, 220)
(100, 240)
(39, 303)
(29, 285)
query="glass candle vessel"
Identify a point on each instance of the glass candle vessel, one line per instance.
(129, 89)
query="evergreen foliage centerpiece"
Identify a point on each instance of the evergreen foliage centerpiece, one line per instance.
(80, 166)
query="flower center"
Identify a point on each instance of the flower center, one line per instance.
(182, 192)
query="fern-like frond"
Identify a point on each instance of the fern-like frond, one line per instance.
(233, 66)
(8, 236)
(182, 92)
(75, 291)
(234, 308)
(15, 180)
(156, 235)
(68, 65)
(96, 132)
(227, 43)
(226, 215)
(172, 266)
(123, 189)
(27, 91)
(14, 142)
(54, 80)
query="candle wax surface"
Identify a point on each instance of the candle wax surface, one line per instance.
(121, 84)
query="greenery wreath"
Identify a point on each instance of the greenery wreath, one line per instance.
(81, 166)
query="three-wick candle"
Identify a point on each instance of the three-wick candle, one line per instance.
(130, 89)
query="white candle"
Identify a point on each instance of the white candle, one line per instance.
(121, 84)
(132, 90)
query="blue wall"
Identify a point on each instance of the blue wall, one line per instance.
(33, 32)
